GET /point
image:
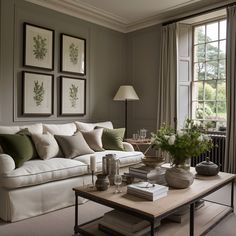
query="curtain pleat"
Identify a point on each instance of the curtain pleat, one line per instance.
(167, 83)
(230, 153)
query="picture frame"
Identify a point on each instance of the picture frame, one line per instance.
(38, 47)
(37, 94)
(73, 54)
(73, 96)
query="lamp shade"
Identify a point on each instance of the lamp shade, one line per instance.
(126, 92)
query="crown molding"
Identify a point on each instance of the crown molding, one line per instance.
(92, 14)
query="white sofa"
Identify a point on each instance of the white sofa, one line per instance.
(40, 186)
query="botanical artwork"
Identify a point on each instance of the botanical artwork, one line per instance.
(37, 93)
(73, 54)
(38, 47)
(73, 96)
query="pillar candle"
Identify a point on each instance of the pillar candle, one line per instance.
(93, 164)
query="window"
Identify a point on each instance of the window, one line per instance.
(209, 77)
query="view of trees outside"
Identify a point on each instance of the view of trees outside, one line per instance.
(209, 78)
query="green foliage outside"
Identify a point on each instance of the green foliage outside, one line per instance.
(210, 67)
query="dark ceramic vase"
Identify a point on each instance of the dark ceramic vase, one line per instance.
(102, 182)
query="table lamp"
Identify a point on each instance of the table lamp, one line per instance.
(126, 93)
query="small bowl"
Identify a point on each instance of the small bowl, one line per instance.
(152, 161)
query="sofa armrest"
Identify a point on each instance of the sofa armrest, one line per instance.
(128, 147)
(7, 164)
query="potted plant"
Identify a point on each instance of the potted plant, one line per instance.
(182, 145)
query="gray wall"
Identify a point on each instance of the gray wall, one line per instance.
(143, 64)
(113, 59)
(106, 63)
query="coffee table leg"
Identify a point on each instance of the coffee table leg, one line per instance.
(152, 228)
(191, 225)
(76, 214)
(232, 195)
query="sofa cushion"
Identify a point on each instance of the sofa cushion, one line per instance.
(33, 129)
(112, 139)
(73, 146)
(60, 129)
(94, 139)
(9, 129)
(126, 158)
(46, 146)
(19, 146)
(85, 127)
(36, 172)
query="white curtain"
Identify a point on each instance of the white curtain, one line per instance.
(167, 82)
(230, 154)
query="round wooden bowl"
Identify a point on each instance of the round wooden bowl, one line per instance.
(152, 161)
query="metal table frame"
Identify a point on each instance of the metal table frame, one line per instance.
(77, 227)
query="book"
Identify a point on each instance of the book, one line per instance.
(140, 168)
(151, 174)
(150, 198)
(148, 188)
(120, 223)
(125, 220)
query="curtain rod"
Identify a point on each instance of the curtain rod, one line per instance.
(198, 14)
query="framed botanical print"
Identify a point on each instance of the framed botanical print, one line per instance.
(73, 96)
(38, 47)
(73, 54)
(37, 94)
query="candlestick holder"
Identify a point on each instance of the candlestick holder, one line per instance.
(93, 178)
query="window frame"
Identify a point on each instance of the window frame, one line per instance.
(193, 62)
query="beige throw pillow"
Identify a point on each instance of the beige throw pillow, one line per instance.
(46, 146)
(94, 139)
(73, 146)
(85, 127)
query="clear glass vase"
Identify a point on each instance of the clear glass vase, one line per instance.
(184, 165)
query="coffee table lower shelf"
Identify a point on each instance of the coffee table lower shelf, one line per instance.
(205, 218)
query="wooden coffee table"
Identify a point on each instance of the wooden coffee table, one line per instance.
(160, 208)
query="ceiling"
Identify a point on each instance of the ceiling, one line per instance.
(122, 15)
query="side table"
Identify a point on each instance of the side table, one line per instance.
(139, 143)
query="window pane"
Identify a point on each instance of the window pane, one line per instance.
(223, 29)
(197, 110)
(199, 34)
(212, 51)
(212, 31)
(199, 71)
(212, 70)
(222, 65)
(210, 90)
(197, 91)
(210, 110)
(221, 91)
(222, 49)
(199, 53)
(221, 106)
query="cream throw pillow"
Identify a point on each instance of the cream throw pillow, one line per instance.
(73, 146)
(94, 139)
(85, 127)
(46, 145)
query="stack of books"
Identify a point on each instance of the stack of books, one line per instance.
(141, 171)
(120, 223)
(148, 190)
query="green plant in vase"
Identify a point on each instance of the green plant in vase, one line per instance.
(182, 145)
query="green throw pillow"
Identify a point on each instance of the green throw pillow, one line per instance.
(18, 146)
(112, 139)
